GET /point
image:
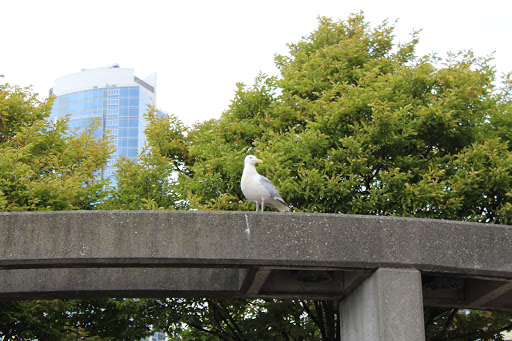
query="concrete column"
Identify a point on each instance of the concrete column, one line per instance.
(386, 306)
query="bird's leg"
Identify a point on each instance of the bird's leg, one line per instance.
(256, 207)
(262, 204)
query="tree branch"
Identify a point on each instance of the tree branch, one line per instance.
(448, 321)
(308, 311)
(212, 306)
(505, 328)
(233, 322)
(319, 311)
(330, 319)
(199, 327)
(219, 312)
(432, 314)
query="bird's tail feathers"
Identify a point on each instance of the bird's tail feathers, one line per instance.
(281, 205)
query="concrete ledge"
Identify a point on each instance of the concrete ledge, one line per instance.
(224, 239)
(280, 255)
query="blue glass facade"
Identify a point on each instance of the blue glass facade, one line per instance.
(119, 112)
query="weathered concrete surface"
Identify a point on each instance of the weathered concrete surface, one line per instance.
(233, 239)
(118, 282)
(387, 306)
(282, 255)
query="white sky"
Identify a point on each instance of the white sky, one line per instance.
(201, 49)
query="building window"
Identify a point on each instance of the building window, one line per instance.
(113, 92)
(113, 111)
(113, 101)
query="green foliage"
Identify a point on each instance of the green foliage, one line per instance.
(29, 320)
(114, 319)
(42, 165)
(358, 125)
(19, 107)
(218, 148)
(148, 183)
(462, 325)
(244, 319)
(91, 320)
(167, 137)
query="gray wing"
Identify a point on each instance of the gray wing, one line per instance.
(269, 186)
(275, 199)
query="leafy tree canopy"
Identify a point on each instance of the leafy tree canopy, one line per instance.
(43, 166)
(357, 124)
(148, 182)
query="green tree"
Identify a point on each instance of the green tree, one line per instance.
(356, 124)
(363, 126)
(148, 182)
(462, 325)
(210, 319)
(91, 320)
(43, 166)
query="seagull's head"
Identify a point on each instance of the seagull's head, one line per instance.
(252, 160)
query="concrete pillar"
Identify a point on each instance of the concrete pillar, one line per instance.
(386, 306)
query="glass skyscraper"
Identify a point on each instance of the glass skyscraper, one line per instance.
(112, 96)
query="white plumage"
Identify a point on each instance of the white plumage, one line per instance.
(258, 188)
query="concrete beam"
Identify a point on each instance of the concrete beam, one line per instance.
(482, 292)
(119, 282)
(387, 306)
(455, 291)
(220, 239)
(248, 255)
(256, 281)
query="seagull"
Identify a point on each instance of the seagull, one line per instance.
(258, 188)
